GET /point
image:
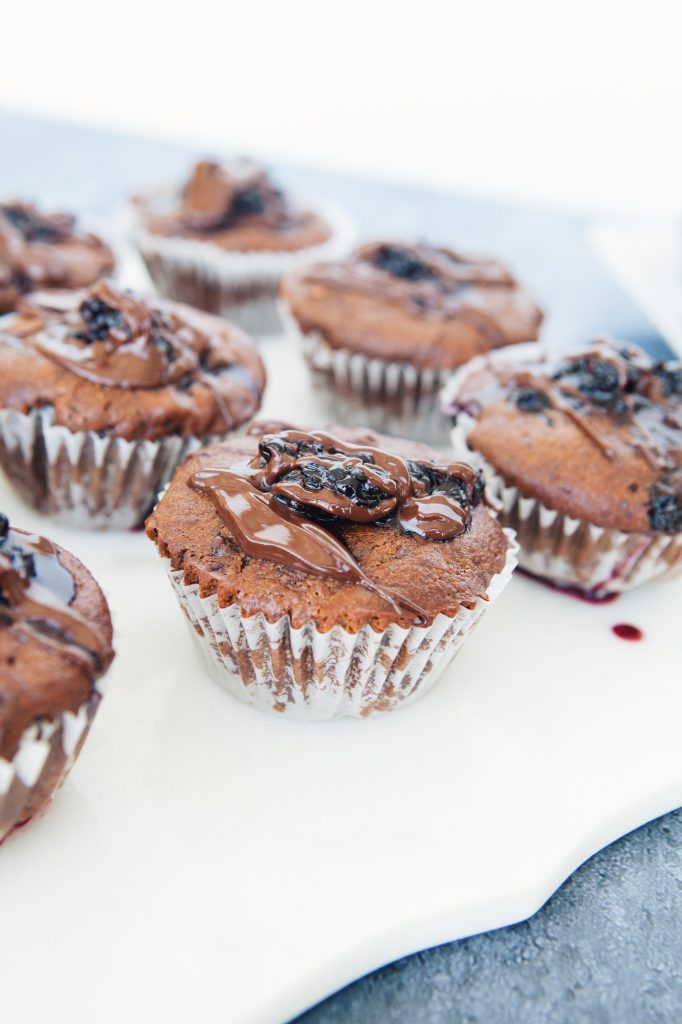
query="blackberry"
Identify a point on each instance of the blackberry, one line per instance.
(665, 512)
(530, 400)
(248, 203)
(597, 379)
(401, 263)
(437, 482)
(165, 346)
(100, 319)
(670, 378)
(345, 481)
(31, 227)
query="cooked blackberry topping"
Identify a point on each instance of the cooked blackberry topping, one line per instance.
(437, 482)
(597, 379)
(670, 378)
(31, 226)
(345, 481)
(530, 400)
(401, 263)
(100, 319)
(248, 202)
(294, 449)
(165, 346)
(665, 512)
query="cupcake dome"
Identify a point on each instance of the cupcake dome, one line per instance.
(383, 328)
(40, 250)
(586, 452)
(223, 240)
(55, 645)
(103, 391)
(329, 573)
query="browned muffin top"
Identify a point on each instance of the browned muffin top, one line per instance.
(55, 633)
(431, 307)
(109, 360)
(339, 526)
(597, 435)
(235, 206)
(40, 250)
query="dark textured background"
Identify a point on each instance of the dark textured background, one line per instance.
(607, 948)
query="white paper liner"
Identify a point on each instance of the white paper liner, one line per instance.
(241, 286)
(312, 675)
(390, 396)
(573, 552)
(47, 751)
(82, 479)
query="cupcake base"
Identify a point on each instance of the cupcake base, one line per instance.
(570, 552)
(391, 397)
(310, 675)
(46, 754)
(82, 479)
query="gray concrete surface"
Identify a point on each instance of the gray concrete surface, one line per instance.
(606, 949)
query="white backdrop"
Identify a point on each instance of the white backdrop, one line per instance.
(578, 103)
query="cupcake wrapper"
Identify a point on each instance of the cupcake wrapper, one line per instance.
(46, 754)
(82, 479)
(574, 552)
(312, 675)
(241, 286)
(392, 397)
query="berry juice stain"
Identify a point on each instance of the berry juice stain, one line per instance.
(627, 632)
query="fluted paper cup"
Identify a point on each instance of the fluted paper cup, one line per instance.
(574, 553)
(47, 752)
(82, 479)
(241, 286)
(311, 675)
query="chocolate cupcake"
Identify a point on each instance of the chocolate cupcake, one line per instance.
(224, 239)
(103, 392)
(329, 574)
(55, 646)
(585, 453)
(383, 329)
(39, 250)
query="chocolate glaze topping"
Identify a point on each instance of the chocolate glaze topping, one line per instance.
(217, 196)
(115, 339)
(40, 250)
(282, 505)
(35, 593)
(609, 391)
(421, 278)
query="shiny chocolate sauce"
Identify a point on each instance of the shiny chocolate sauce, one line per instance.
(36, 591)
(283, 505)
(115, 339)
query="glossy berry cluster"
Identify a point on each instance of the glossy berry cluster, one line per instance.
(100, 319)
(530, 400)
(437, 482)
(248, 203)
(665, 512)
(401, 263)
(349, 482)
(31, 228)
(597, 379)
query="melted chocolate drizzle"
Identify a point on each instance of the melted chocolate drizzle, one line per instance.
(281, 505)
(117, 340)
(421, 278)
(35, 595)
(215, 197)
